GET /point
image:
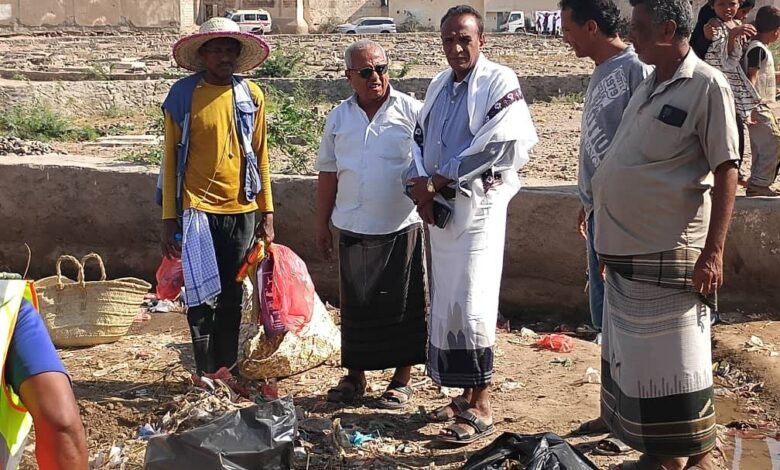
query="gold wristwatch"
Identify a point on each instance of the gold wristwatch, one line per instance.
(431, 188)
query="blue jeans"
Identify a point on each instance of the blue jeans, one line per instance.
(595, 283)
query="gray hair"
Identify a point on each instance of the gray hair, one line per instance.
(362, 45)
(679, 11)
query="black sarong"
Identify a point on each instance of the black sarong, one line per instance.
(384, 299)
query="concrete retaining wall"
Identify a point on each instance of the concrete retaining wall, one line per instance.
(62, 208)
(91, 97)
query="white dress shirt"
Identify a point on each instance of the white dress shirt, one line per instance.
(369, 159)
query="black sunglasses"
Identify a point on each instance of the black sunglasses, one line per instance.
(366, 72)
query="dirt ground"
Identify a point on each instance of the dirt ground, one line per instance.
(135, 381)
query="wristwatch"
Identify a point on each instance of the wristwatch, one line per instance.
(431, 188)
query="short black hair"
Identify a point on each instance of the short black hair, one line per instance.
(678, 11)
(605, 13)
(464, 10)
(767, 19)
(747, 4)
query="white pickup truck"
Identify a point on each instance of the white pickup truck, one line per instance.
(515, 23)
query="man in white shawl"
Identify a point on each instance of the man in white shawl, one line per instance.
(472, 136)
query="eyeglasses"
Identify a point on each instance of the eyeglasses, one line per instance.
(366, 72)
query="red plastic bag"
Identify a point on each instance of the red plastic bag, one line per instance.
(293, 289)
(557, 343)
(170, 278)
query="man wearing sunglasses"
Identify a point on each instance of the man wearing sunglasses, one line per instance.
(365, 149)
(472, 136)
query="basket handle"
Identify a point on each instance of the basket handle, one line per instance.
(100, 263)
(73, 261)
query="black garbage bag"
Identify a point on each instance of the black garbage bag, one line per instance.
(259, 437)
(546, 451)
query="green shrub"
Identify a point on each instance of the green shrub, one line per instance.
(38, 122)
(281, 64)
(329, 26)
(294, 127)
(404, 70)
(149, 156)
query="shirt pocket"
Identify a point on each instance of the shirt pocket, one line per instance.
(396, 142)
(661, 141)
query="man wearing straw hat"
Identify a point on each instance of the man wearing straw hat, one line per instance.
(214, 178)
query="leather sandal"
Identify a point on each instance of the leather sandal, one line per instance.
(457, 435)
(396, 396)
(440, 415)
(338, 394)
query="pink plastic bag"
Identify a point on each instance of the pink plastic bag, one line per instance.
(270, 318)
(557, 343)
(170, 278)
(293, 289)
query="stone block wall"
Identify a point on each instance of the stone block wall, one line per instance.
(87, 98)
(60, 208)
(100, 14)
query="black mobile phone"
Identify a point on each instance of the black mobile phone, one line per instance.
(672, 116)
(441, 214)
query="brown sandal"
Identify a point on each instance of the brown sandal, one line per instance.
(440, 415)
(338, 394)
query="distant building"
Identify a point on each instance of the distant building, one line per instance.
(97, 14)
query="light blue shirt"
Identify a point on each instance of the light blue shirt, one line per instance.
(447, 133)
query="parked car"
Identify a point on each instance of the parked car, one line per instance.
(515, 23)
(368, 25)
(251, 21)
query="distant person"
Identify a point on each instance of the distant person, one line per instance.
(764, 131)
(365, 150)
(37, 390)
(729, 36)
(590, 28)
(539, 29)
(546, 24)
(214, 178)
(663, 198)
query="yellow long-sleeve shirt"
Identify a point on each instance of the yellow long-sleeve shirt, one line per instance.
(214, 177)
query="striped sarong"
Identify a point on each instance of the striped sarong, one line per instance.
(672, 269)
(657, 387)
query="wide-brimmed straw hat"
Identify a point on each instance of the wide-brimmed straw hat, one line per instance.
(254, 49)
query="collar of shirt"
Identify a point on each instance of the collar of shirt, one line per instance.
(684, 71)
(453, 87)
(392, 96)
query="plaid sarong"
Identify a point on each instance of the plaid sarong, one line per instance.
(672, 269)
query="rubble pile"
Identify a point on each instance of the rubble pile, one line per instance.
(16, 146)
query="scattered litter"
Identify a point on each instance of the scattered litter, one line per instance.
(565, 362)
(97, 461)
(528, 334)
(502, 324)
(115, 457)
(756, 344)
(509, 385)
(357, 438)
(592, 376)
(340, 438)
(557, 343)
(146, 431)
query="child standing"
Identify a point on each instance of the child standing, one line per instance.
(728, 36)
(764, 131)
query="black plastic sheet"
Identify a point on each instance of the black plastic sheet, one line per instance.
(259, 437)
(546, 451)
